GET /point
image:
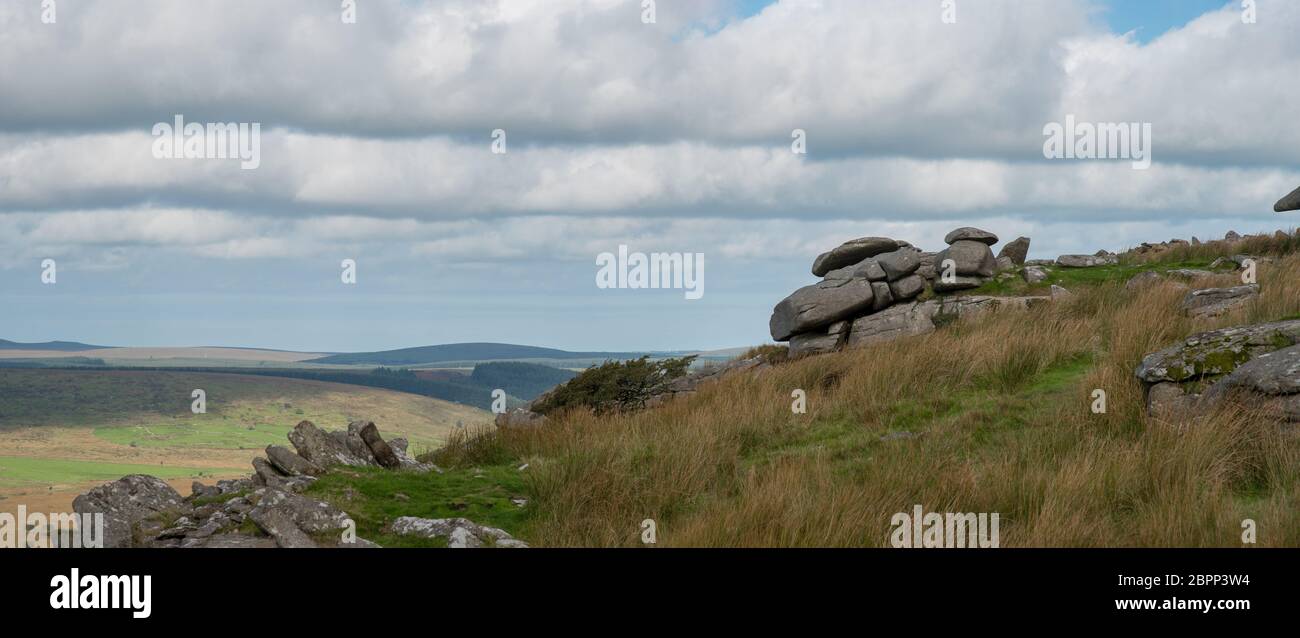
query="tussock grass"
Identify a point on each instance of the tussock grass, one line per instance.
(990, 414)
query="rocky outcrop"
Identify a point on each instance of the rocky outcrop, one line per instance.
(1086, 261)
(1257, 359)
(136, 508)
(457, 532)
(1212, 302)
(130, 505)
(1016, 250)
(877, 295)
(852, 252)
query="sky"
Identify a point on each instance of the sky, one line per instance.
(377, 146)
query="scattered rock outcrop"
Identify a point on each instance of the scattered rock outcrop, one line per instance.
(144, 511)
(875, 288)
(1201, 370)
(1087, 261)
(458, 532)
(1212, 302)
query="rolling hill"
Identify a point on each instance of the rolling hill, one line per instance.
(464, 352)
(54, 346)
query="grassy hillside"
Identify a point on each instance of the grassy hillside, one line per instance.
(989, 414)
(62, 431)
(460, 352)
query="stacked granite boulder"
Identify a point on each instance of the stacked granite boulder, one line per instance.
(882, 278)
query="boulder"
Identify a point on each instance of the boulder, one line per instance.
(971, 258)
(957, 283)
(819, 305)
(1016, 250)
(1189, 273)
(291, 464)
(1058, 292)
(459, 532)
(127, 502)
(927, 269)
(292, 520)
(199, 490)
(852, 252)
(1232, 236)
(868, 269)
(1289, 203)
(901, 320)
(967, 233)
(1212, 302)
(1272, 373)
(1216, 352)
(1034, 274)
(1004, 264)
(884, 298)
(1170, 402)
(810, 343)
(1142, 280)
(907, 288)
(1086, 261)
(899, 263)
(320, 448)
(369, 434)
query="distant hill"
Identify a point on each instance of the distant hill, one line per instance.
(465, 352)
(61, 346)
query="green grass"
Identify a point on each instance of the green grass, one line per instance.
(480, 494)
(19, 471)
(214, 431)
(1070, 278)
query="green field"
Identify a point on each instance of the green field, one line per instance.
(21, 471)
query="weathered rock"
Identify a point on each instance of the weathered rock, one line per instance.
(901, 320)
(1216, 352)
(1272, 373)
(1086, 261)
(810, 343)
(956, 283)
(1289, 203)
(291, 518)
(1143, 280)
(907, 287)
(1040, 262)
(819, 305)
(1016, 250)
(1058, 292)
(1189, 273)
(383, 454)
(199, 490)
(968, 233)
(1169, 401)
(927, 269)
(127, 502)
(970, 258)
(899, 263)
(1034, 274)
(868, 268)
(1232, 235)
(459, 532)
(1004, 264)
(290, 464)
(882, 297)
(520, 418)
(1211, 302)
(852, 252)
(236, 541)
(320, 448)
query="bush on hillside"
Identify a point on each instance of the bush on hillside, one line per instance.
(615, 385)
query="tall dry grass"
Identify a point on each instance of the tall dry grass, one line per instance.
(987, 415)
